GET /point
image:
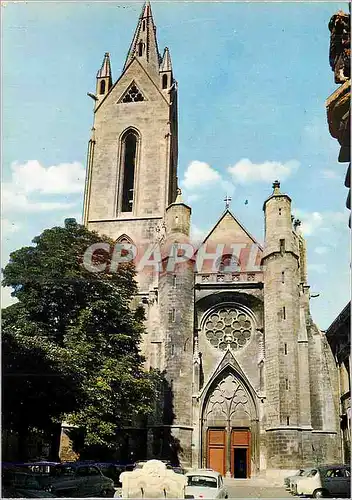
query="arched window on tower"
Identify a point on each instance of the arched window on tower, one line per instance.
(128, 167)
(165, 81)
(102, 87)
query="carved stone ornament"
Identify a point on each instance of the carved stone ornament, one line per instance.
(340, 46)
(228, 327)
(227, 397)
(153, 480)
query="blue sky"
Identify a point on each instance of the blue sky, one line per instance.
(253, 79)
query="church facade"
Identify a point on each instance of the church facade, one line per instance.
(251, 381)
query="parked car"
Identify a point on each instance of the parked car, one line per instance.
(108, 469)
(325, 481)
(294, 479)
(73, 479)
(17, 484)
(288, 479)
(205, 483)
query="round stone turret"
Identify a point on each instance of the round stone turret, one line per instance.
(178, 217)
(278, 222)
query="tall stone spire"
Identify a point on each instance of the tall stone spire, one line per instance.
(144, 44)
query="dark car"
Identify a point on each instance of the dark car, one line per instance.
(78, 480)
(109, 469)
(17, 484)
(325, 481)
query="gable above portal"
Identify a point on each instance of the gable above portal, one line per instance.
(229, 237)
(229, 230)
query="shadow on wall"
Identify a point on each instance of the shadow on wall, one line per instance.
(146, 438)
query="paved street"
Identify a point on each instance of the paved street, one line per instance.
(248, 488)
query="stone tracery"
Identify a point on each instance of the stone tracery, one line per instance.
(227, 397)
(228, 327)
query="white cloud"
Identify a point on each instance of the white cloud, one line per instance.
(227, 187)
(192, 197)
(14, 201)
(197, 234)
(310, 222)
(31, 178)
(8, 227)
(314, 222)
(330, 174)
(6, 299)
(65, 178)
(244, 171)
(198, 174)
(321, 250)
(318, 268)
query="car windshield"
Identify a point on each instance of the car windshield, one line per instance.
(300, 472)
(311, 473)
(204, 481)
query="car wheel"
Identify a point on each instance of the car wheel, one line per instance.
(319, 494)
(106, 493)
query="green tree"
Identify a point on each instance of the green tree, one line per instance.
(74, 339)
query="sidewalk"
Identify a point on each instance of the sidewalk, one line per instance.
(254, 482)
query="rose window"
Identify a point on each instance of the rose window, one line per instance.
(228, 327)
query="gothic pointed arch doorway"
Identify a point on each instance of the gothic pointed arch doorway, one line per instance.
(230, 427)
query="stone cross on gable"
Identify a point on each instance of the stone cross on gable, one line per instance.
(227, 201)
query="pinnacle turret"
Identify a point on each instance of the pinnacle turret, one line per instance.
(105, 70)
(104, 78)
(166, 61)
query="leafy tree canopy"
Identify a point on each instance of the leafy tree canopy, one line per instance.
(71, 343)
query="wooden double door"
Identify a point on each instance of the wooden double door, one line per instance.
(229, 451)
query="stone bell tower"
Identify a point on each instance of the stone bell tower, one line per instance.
(132, 153)
(282, 322)
(176, 292)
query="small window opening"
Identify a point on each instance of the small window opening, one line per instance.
(284, 312)
(164, 81)
(285, 349)
(102, 87)
(172, 349)
(283, 277)
(140, 49)
(143, 26)
(173, 315)
(279, 211)
(286, 384)
(288, 420)
(282, 246)
(174, 281)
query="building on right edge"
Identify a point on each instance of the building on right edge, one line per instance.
(338, 114)
(338, 335)
(338, 103)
